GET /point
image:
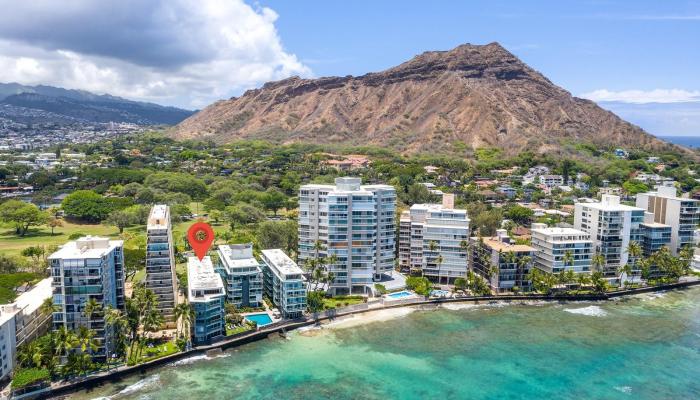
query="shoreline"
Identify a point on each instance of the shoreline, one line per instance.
(353, 316)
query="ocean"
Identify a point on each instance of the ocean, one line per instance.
(689, 141)
(642, 347)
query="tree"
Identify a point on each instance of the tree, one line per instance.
(242, 213)
(86, 205)
(185, 314)
(121, 219)
(22, 215)
(278, 235)
(115, 318)
(91, 308)
(54, 223)
(599, 282)
(460, 284)
(314, 301)
(520, 215)
(598, 262)
(273, 200)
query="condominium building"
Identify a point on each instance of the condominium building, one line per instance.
(355, 223)
(683, 215)
(242, 275)
(612, 226)
(206, 295)
(504, 264)
(433, 239)
(84, 269)
(552, 181)
(560, 249)
(160, 262)
(284, 283)
(23, 321)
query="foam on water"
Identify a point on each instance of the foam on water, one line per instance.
(190, 360)
(624, 389)
(593, 311)
(144, 383)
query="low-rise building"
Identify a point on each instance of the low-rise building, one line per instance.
(284, 283)
(242, 275)
(505, 265)
(560, 249)
(551, 181)
(206, 295)
(23, 321)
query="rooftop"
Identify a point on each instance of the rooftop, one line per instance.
(237, 256)
(278, 260)
(202, 277)
(159, 218)
(87, 247)
(498, 245)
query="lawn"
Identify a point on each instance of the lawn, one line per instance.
(9, 282)
(342, 301)
(12, 244)
(238, 329)
(158, 351)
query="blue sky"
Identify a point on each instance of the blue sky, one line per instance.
(640, 59)
(615, 50)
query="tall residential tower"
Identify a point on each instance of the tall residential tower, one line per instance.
(355, 223)
(160, 262)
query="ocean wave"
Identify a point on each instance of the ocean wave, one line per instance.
(140, 385)
(593, 311)
(624, 389)
(193, 359)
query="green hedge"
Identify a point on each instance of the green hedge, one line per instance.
(29, 376)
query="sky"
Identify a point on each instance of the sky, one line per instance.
(637, 58)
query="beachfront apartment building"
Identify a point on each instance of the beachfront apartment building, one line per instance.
(561, 249)
(612, 226)
(160, 262)
(23, 321)
(682, 214)
(284, 283)
(433, 240)
(84, 269)
(206, 295)
(504, 264)
(242, 274)
(355, 223)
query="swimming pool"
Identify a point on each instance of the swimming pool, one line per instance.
(400, 295)
(440, 293)
(261, 319)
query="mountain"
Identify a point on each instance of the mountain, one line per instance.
(82, 106)
(471, 96)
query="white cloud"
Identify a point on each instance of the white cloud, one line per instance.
(642, 96)
(180, 52)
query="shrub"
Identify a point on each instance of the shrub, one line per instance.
(28, 376)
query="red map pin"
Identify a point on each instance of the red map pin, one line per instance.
(201, 236)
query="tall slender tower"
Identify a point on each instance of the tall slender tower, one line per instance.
(160, 262)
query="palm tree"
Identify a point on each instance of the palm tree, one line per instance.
(568, 258)
(185, 313)
(48, 307)
(118, 321)
(91, 308)
(464, 245)
(63, 341)
(598, 262)
(523, 261)
(583, 279)
(85, 339)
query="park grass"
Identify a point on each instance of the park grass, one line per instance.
(158, 351)
(10, 282)
(12, 244)
(238, 329)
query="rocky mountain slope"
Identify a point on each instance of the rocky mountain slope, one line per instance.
(469, 97)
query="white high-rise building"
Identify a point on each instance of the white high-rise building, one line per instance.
(431, 239)
(612, 226)
(553, 244)
(355, 223)
(84, 269)
(242, 275)
(683, 215)
(206, 295)
(160, 262)
(284, 283)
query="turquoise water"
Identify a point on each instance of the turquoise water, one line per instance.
(260, 319)
(645, 347)
(399, 295)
